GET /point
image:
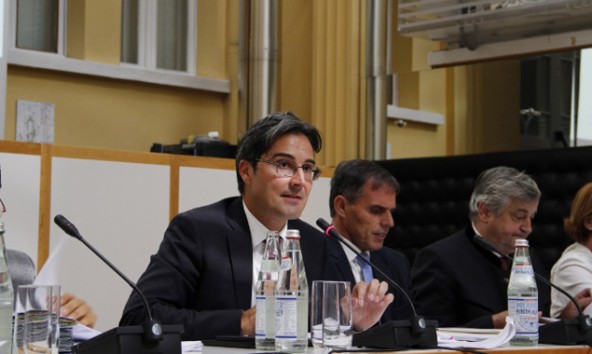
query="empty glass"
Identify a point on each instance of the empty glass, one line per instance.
(331, 315)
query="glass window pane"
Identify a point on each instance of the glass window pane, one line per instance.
(583, 126)
(37, 25)
(172, 35)
(129, 31)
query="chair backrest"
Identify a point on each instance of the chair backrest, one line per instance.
(435, 192)
(20, 267)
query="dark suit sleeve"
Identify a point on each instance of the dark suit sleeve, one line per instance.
(181, 287)
(435, 293)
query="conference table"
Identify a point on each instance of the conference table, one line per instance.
(540, 349)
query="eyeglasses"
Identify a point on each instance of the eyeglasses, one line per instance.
(288, 168)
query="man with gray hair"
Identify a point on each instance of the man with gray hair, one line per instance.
(460, 283)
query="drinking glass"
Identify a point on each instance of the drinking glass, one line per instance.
(331, 315)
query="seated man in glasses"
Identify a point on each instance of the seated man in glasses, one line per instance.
(204, 273)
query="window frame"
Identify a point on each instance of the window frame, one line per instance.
(147, 36)
(124, 71)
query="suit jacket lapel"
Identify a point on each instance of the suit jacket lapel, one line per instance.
(240, 253)
(340, 262)
(380, 264)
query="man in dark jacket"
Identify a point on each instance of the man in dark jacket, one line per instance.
(459, 282)
(362, 199)
(204, 273)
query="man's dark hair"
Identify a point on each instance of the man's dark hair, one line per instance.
(264, 133)
(350, 176)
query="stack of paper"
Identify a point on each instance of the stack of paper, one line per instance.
(477, 338)
(191, 346)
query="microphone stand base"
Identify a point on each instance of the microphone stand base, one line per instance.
(129, 339)
(565, 332)
(397, 335)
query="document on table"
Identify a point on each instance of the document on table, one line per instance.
(191, 346)
(81, 332)
(476, 337)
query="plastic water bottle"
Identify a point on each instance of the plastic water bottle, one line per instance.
(265, 293)
(523, 295)
(291, 301)
(6, 299)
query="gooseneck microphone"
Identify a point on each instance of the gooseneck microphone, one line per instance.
(560, 332)
(155, 329)
(152, 330)
(332, 232)
(415, 332)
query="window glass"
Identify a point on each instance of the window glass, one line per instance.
(172, 35)
(582, 129)
(129, 31)
(37, 25)
(155, 33)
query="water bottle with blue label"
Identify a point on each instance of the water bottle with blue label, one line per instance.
(523, 304)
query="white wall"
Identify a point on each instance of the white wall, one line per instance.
(20, 194)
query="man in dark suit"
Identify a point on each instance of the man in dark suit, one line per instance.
(204, 272)
(460, 283)
(363, 196)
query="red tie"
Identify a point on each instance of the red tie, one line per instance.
(504, 264)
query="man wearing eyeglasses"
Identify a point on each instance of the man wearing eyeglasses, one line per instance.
(204, 272)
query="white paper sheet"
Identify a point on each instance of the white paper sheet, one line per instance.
(48, 275)
(476, 337)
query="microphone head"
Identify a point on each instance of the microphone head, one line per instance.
(323, 224)
(67, 226)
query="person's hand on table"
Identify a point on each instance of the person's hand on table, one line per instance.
(369, 300)
(77, 309)
(583, 298)
(248, 322)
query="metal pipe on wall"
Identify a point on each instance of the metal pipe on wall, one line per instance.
(258, 69)
(376, 61)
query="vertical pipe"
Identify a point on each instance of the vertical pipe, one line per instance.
(376, 102)
(243, 65)
(4, 38)
(261, 76)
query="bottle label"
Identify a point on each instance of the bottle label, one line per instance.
(260, 315)
(269, 265)
(286, 317)
(524, 312)
(522, 269)
(286, 263)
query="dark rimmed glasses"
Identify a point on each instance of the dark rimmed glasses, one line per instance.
(287, 168)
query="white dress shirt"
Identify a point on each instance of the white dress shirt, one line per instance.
(258, 236)
(573, 273)
(351, 257)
